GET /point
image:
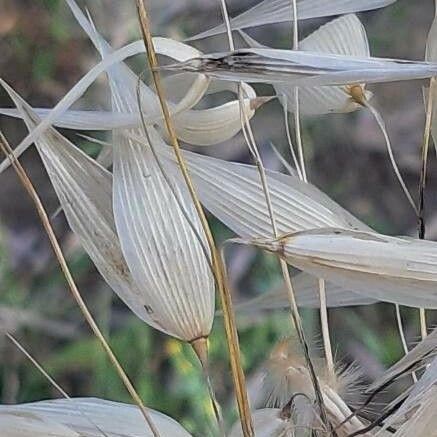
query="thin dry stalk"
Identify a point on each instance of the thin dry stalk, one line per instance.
(253, 148)
(228, 313)
(288, 134)
(296, 111)
(359, 97)
(422, 184)
(325, 329)
(200, 348)
(379, 120)
(37, 365)
(27, 184)
(402, 335)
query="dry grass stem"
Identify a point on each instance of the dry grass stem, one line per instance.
(229, 317)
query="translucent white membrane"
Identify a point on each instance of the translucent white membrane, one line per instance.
(79, 417)
(161, 249)
(150, 104)
(307, 291)
(279, 11)
(391, 269)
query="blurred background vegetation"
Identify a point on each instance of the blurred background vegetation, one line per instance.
(43, 53)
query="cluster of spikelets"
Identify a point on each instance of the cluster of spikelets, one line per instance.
(136, 211)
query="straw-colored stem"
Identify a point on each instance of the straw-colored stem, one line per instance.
(290, 142)
(296, 111)
(27, 184)
(380, 121)
(402, 335)
(253, 148)
(325, 329)
(38, 366)
(423, 324)
(228, 314)
(295, 316)
(422, 184)
(53, 382)
(200, 348)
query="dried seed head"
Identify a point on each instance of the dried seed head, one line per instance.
(286, 375)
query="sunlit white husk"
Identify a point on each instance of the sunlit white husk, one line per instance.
(163, 45)
(84, 190)
(79, 417)
(416, 416)
(344, 36)
(417, 357)
(234, 194)
(161, 249)
(163, 299)
(398, 270)
(197, 127)
(304, 69)
(423, 421)
(279, 11)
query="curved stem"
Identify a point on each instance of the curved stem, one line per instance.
(422, 184)
(383, 128)
(27, 184)
(402, 336)
(325, 329)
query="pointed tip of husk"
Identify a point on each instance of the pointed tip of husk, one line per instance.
(200, 348)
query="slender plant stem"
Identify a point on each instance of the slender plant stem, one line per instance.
(402, 335)
(423, 323)
(52, 381)
(228, 313)
(381, 124)
(38, 366)
(27, 184)
(422, 185)
(359, 96)
(295, 316)
(296, 111)
(288, 134)
(325, 329)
